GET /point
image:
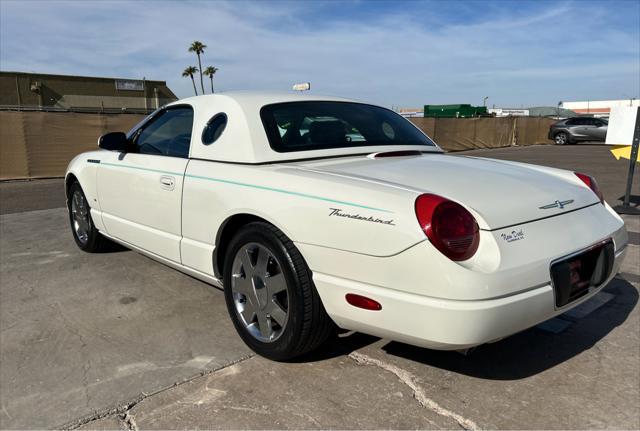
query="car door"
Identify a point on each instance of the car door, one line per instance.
(580, 128)
(589, 129)
(140, 192)
(599, 132)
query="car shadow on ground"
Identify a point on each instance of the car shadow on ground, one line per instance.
(339, 344)
(519, 356)
(534, 350)
(634, 200)
(113, 247)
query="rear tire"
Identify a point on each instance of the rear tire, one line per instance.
(270, 294)
(84, 232)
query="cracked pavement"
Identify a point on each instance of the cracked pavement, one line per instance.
(118, 341)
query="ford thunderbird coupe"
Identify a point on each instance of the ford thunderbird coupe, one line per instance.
(318, 213)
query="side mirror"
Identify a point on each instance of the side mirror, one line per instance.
(114, 141)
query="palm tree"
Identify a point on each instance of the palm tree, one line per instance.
(190, 71)
(210, 71)
(198, 48)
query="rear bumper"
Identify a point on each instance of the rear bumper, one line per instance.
(441, 323)
(431, 301)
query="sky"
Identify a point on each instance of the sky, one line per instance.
(397, 54)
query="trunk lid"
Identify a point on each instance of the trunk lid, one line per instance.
(501, 193)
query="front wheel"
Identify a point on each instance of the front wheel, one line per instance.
(270, 295)
(84, 232)
(561, 138)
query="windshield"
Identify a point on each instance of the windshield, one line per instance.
(304, 126)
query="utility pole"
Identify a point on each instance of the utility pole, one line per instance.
(144, 94)
(18, 92)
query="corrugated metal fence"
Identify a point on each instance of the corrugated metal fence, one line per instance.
(41, 144)
(457, 134)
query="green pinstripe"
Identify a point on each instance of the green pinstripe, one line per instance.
(253, 186)
(118, 165)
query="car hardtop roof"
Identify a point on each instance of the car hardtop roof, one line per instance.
(244, 139)
(258, 99)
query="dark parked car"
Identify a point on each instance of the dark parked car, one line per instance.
(576, 129)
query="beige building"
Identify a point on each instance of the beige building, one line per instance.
(598, 108)
(36, 91)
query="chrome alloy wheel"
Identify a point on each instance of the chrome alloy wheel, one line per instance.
(80, 214)
(259, 292)
(561, 139)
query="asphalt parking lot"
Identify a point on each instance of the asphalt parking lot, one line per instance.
(118, 341)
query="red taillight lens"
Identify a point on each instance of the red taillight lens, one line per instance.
(449, 226)
(363, 302)
(592, 184)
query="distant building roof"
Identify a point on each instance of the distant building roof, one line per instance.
(21, 90)
(550, 111)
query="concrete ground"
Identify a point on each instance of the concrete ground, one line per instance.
(22, 196)
(118, 341)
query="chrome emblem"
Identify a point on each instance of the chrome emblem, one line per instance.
(557, 204)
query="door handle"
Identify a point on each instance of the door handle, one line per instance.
(167, 182)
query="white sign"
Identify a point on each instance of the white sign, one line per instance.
(622, 123)
(302, 87)
(129, 85)
(505, 112)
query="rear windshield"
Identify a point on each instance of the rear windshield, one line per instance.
(304, 126)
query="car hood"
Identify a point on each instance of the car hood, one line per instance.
(501, 193)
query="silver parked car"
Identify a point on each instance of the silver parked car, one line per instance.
(576, 129)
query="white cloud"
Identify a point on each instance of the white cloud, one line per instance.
(550, 54)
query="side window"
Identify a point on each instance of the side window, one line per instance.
(168, 134)
(214, 128)
(572, 122)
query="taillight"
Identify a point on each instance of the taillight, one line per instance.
(449, 226)
(592, 184)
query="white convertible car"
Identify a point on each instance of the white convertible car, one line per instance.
(313, 212)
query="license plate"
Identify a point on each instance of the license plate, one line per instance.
(574, 276)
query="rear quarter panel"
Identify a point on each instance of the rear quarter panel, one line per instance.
(302, 204)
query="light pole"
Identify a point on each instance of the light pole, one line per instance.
(484, 101)
(631, 99)
(558, 110)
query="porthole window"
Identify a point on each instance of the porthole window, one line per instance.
(214, 128)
